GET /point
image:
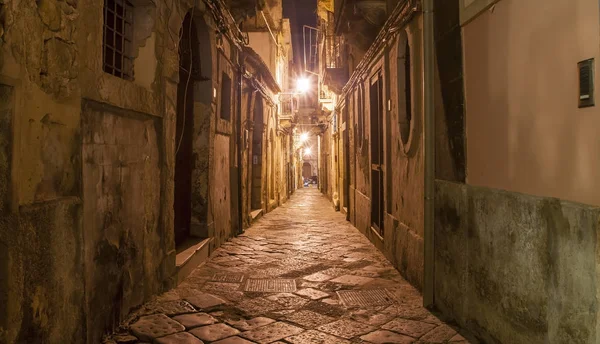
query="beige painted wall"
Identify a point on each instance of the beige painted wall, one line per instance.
(524, 130)
(262, 43)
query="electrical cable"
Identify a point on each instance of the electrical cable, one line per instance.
(187, 84)
(399, 18)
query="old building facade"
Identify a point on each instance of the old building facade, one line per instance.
(126, 154)
(509, 250)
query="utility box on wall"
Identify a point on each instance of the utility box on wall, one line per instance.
(586, 83)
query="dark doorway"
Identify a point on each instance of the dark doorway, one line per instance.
(257, 156)
(189, 65)
(272, 167)
(306, 170)
(346, 162)
(377, 167)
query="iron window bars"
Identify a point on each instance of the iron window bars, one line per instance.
(118, 38)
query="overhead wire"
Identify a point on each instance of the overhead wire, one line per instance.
(187, 83)
(399, 18)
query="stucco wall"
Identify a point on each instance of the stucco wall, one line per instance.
(514, 268)
(263, 44)
(525, 132)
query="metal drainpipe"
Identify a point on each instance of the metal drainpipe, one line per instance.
(428, 94)
(240, 143)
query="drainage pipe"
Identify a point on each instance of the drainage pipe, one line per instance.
(429, 128)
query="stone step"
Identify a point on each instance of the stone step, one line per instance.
(256, 214)
(193, 253)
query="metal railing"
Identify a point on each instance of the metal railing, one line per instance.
(332, 44)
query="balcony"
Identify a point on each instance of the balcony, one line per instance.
(333, 57)
(360, 20)
(289, 111)
(335, 79)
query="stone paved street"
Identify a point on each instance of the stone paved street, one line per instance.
(301, 274)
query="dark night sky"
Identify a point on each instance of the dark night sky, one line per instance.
(300, 12)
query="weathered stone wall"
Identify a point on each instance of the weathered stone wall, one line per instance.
(272, 154)
(126, 250)
(41, 277)
(403, 172)
(514, 268)
(403, 239)
(87, 165)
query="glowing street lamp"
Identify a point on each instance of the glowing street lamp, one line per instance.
(307, 152)
(302, 85)
(303, 137)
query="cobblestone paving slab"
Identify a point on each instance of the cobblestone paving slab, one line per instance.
(205, 301)
(384, 337)
(195, 320)
(371, 318)
(233, 340)
(365, 298)
(336, 272)
(346, 328)
(272, 332)
(214, 332)
(318, 277)
(440, 334)
(301, 275)
(247, 325)
(257, 306)
(178, 338)
(171, 307)
(309, 319)
(288, 301)
(311, 293)
(154, 326)
(315, 337)
(409, 327)
(352, 280)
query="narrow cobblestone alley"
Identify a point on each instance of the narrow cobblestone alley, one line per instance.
(301, 274)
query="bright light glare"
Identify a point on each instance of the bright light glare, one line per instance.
(302, 85)
(307, 151)
(303, 137)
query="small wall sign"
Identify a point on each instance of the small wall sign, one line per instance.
(586, 83)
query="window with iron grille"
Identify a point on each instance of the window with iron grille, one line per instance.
(118, 38)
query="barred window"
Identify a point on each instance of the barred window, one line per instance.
(118, 38)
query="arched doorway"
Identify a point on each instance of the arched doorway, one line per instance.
(306, 170)
(272, 163)
(257, 156)
(192, 131)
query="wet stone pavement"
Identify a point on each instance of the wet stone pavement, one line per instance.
(301, 274)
